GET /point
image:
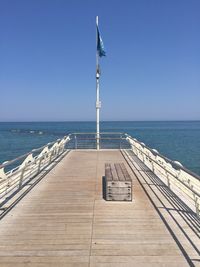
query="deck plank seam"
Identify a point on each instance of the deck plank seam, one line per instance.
(175, 220)
(178, 212)
(186, 256)
(169, 195)
(96, 180)
(39, 177)
(181, 207)
(98, 232)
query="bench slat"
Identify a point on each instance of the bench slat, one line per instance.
(114, 174)
(108, 172)
(119, 172)
(125, 172)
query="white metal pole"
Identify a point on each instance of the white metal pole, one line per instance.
(97, 91)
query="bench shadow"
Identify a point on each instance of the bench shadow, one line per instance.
(104, 187)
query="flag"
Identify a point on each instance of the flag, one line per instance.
(100, 47)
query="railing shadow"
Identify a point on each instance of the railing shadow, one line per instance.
(190, 216)
(30, 185)
(176, 205)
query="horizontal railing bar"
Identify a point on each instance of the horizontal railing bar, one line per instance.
(108, 140)
(51, 143)
(192, 190)
(104, 138)
(115, 133)
(166, 159)
(186, 194)
(7, 163)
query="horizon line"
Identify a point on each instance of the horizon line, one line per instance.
(45, 121)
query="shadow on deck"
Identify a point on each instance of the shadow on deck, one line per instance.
(172, 210)
(65, 221)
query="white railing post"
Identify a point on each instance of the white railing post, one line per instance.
(39, 165)
(14, 179)
(174, 177)
(58, 151)
(22, 176)
(50, 156)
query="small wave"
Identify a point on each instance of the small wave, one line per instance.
(15, 130)
(24, 131)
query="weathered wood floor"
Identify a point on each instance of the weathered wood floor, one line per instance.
(64, 221)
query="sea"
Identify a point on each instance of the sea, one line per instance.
(177, 140)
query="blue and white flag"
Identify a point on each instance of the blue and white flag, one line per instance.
(100, 47)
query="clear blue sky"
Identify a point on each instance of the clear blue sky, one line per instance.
(47, 59)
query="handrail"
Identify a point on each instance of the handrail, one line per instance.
(37, 159)
(7, 163)
(15, 173)
(188, 186)
(80, 133)
(194, 191)
(31, 165)
(103, 138)
(178, 165)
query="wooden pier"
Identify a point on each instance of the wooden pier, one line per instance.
(64, 220)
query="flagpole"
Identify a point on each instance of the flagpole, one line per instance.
(98, 103)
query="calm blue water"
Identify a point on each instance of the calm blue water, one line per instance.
(177, 140)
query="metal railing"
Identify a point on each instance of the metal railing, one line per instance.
(108, 140)
(15, 173)
(184, 183)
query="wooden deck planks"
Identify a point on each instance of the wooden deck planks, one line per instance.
(64, 221)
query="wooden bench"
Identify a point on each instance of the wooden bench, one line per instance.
(118, 182)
